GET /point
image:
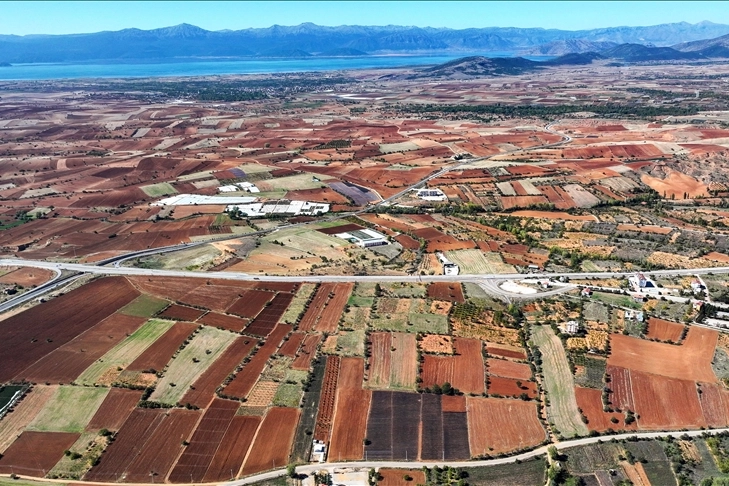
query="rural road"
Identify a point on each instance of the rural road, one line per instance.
(331, 466)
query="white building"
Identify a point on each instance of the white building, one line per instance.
(364, 237)
(641, 283)
(196, 199)
(570, 327)
(240, 186)
(432, 195)
(283, 207)
(449, 268)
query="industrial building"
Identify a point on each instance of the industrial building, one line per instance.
(282, 207)
(449, 268)
(432, 195)
(364, 237)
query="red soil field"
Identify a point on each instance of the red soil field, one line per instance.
(181, 313)
(115, 409)
(509, 369)
(464, 370)
(127, 444)
(203, 390)
(35, 453)
(289, 287)
(509, 388)
(32, 334)
(214, 297)
(666, 403)
(511, 202)
(453, 403)
(438, 241)
(66, 363)
(326, 195)
(622, 388)
(327, 399)
(231, 323)
(269, 316)
(715, 404)
(197, 456)
(326, 307)
(241, 385)
(394, 477)
(350, 413)
(27, 277)
(689, 361)
(291, 345)
(450, 291)
(380, 360)
(501, 425)
(589, 400)
(557, 198)
(507, 352)
(160, 352)
(344, 228)
(233, 449)
(271, 450)
(217, 296)
(250, 303)
(306, 352)
(407, 242)
(161, 450)
(388, 221)
(664, 330)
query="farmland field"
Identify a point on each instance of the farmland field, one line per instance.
(69, 410)
(144, 306)
(558, 383)
(498, 425)
(477, 262)
(527, 472)
(124, 353)
(190, 363)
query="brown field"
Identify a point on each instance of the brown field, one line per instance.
(715, 404)
(307, 352)
(327, 400)
(502, 425)
(244, 380)
(622, 389)
(511, 202)
(436, 343)
(394, 477)
(233, 449)
(115, 409)
(589, 400)
(223, 321)
(203, 390)
(66, 363)
(177, 312)
(35, 453)
(271, 449)
(26, 276)
(666, 403)
(266, 321)
(291, 345)
(326, 307)
(464, 370)
(23, 413)
(664, 330)
(554, 215)
(689, 361)
(509, 387)
(156, 356)
(452, 292)
(250, 303)
(453, 403)
(659, 230)
(381, 359)
(217, 296)
(509, 369)
(394, 360)
(350, 412)
(505, 351)
(675, 185)
(32, 334)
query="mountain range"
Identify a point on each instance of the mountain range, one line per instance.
(189, 41)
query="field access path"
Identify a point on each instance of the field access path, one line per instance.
(331, 466)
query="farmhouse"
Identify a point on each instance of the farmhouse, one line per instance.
(282, 207)
(449, 268)
(640, 283)
(364, 237)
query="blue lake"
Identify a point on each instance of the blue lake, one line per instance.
(219, 67)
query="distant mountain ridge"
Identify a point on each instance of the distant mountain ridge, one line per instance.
(304, 40)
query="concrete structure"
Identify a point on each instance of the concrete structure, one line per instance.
(282, 207)
(640, 283)
(570, 327)
(240, 186)
(195, 199)
(432, 195)
(318, 451)
(449, 268)
(364, 238)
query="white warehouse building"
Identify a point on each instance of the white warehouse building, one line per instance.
(364, 237)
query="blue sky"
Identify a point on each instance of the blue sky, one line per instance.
(49, 17)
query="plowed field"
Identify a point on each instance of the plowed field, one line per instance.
(160, 352)
(664, 330)
(264, 323)
(66, 363)
(590, 402)
(115, 409)
(502, 425)
(350, 413)
(446, 291)
(509, 369)
(32, 334)
(35, 453)
(223, 321)
(271, 449)
(509, 387)
(251, 303)
(233, 449)
(181, 313)
(307, 352)
(326, 307)
(464, 370)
